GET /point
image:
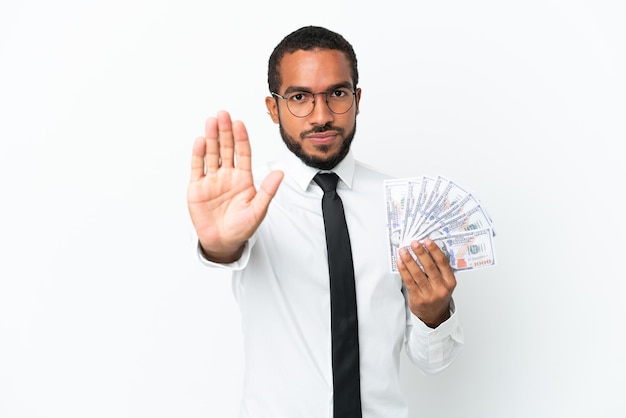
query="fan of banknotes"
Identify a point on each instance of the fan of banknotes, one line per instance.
(442, 210)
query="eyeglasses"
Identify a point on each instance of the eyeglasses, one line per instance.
(302, 103)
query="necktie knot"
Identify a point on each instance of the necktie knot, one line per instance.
(327, 181)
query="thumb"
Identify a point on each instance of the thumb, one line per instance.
(267, 191)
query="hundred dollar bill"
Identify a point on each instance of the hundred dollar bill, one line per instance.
(435, 220)
(468, 250)
(395, 197)
(432, 190)
(452, 194)
(416, 201)
(472, 218)
(412, 186)
(418, 211)
(435, 190)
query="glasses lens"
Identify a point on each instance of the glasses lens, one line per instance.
(300, 104)
(340, 100)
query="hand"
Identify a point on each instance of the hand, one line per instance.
(429, 287)
(223, 203)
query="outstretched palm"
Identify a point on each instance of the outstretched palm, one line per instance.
(223, 203)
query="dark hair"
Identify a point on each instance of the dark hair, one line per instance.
(309, 38)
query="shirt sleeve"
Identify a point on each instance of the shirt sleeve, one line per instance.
(432, 350)
(236, 265)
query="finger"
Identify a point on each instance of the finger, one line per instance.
(410, 272)
(442, 262)
(243, 153)
(227, 145)
(212, 150)
(197, 159)
(404, 272)
(429, 269)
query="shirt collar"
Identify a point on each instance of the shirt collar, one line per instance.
(303, 174)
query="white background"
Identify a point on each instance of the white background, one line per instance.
(104, 309)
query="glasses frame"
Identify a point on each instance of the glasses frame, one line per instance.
(325, 93)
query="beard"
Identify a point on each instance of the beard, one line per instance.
(321, 163)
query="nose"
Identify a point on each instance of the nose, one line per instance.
(321, 114)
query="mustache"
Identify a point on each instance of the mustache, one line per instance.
(321, 128)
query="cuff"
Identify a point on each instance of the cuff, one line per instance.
(239, 264)
(439, 340)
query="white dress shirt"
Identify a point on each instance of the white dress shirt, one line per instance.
(281, 284)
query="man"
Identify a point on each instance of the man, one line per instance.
(273, 239)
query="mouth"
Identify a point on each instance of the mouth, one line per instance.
(324, 138)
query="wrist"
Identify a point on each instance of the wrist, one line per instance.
(221, 255)
(438, 321)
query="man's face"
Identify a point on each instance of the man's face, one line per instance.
(321, 139)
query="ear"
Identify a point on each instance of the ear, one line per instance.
(272, 108)
(358, 99)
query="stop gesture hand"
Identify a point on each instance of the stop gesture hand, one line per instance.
(224, 205)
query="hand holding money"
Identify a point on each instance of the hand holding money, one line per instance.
(429, 281)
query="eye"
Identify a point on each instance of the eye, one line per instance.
(341, 94)
(299, 97)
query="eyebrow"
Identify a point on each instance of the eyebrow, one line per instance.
(291, 89)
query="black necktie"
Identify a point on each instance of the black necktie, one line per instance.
(345, 335)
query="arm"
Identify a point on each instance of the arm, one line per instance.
(224, 206)
(434, 337)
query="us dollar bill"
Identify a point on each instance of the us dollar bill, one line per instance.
(472, 219)
(415, 214)
(468, 250)
(395, 200)
(452, 194)
(416, 201)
